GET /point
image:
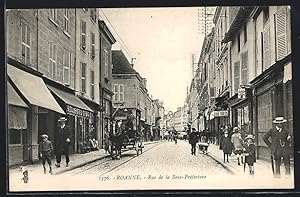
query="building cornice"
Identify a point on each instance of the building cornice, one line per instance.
(103, 28)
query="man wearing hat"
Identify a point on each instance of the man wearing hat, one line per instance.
(280, 145)
(45, 152)
(63, 141)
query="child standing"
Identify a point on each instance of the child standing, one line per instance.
(250, 150)
(45, 152)
(226, 146)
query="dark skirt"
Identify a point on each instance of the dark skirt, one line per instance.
(250, 159)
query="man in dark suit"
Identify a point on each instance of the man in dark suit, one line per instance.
(280, 145)
(63, 142)
(193, 139)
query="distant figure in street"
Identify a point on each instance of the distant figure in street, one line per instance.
(193, 139)
(63, 142)
(280, 146)
(237, 141)
(226, 146)
(204, 143)
(45, 152)
(250, 150)
(106, 142)
(175, 137)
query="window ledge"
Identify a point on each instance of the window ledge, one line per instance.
(53, 22)
(67, 34)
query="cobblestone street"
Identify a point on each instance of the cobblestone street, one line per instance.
(163, 165)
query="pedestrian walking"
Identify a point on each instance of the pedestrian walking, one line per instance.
(193, 139)
(237, 142)
(63, 142)
(250, 152)
(280, 145)
(226, 146)
(45, 152)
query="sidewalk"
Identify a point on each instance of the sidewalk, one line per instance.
(262, 168)
(76, 161)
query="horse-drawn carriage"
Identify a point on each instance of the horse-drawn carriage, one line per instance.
(125, 138)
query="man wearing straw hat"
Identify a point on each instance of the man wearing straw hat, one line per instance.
(63, 142)
(280, 145)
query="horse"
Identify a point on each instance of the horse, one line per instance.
(117, 143)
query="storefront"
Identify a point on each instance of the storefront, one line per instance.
(39, 100)
(80, 117)
(219, 117)
(17, 127)
(241, 111)
(106, 114)
(272, 97)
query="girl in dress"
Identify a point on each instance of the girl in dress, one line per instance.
(250, 150)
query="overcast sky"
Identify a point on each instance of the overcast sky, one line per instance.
(162, 40)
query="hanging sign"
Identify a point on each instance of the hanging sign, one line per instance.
(220, 113)
(241, 93)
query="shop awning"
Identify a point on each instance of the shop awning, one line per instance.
(33, 89)
(69, 99)
(14, 98)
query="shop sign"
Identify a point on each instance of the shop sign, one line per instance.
(120, 118)
(220, 113)
(78, 112)
(241, 93)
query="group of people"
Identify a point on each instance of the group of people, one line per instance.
(239, 147)
(194, 138)
(280, 145)
(63, 141)
(245, 149)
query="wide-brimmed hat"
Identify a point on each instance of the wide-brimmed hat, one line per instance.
(235, 129)
(250, 137)
(45, 136)
(279, 120)
(61, 119)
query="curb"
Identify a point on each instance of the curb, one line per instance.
(94, 160)
(83, 164)
(232, 170)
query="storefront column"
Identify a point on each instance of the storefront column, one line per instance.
(34, 133)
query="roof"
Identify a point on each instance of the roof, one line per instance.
(120, 63)
(239, 20)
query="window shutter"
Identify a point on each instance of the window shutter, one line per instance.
(244, 68)
(266, 47)
(66, 68)
(54, 58)
(236, 76)
(116, 92)
(121, 91)
(281, 41)
(50, 62)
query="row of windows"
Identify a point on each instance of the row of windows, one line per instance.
(26, 50)
(53, 16)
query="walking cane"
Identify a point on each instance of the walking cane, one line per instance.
(244, 158)
(272, 163)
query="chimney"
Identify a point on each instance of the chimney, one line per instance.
(132, 62)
